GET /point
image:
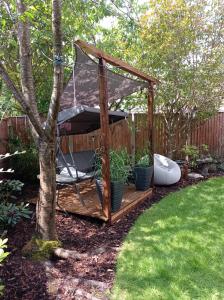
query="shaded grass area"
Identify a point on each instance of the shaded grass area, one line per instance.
(175, 250)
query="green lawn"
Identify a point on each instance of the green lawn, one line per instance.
(175, 250)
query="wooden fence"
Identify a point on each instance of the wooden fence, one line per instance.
(131, 134)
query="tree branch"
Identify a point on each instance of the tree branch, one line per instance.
(58, 67)
(116, 105)
(20, 98)
(26, 57)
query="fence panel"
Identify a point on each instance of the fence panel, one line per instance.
(210, 132)
(120, 137)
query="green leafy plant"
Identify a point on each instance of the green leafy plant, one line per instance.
(8, 189)
(26, 166)
(43, 249)
(119, 165)
(3, 245)
(3, 255)
(192, 152)
(204, 151)
(11, 214)
(143, 158)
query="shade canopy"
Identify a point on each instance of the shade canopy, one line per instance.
(83, 86)
(83, 119)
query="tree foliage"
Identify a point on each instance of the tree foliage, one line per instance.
(180, 42)
(81, 19)
(183, 44)
(184, 47)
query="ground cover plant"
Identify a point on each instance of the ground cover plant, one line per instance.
(11, 214)
(3, 255)
(175, 249)
(26, 166)
(8, 189)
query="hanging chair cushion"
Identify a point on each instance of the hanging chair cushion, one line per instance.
(65, 179)
(83, 161)
(64, 176)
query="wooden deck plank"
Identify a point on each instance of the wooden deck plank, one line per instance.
(128, 205)
(69, 201)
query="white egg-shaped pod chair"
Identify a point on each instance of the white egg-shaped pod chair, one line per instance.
(166, 171)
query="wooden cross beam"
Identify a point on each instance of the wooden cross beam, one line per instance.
(90, 49)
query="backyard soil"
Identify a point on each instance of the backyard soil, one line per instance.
(89, 277)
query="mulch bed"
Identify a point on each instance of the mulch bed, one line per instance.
(71, 279)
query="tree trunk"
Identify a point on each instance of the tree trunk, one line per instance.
(169, 141)
(170, 145)
(45, 225)
(45, 137)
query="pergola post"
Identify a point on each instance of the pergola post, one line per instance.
(150, 103)
(104, 121)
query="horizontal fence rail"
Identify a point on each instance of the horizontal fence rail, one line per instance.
(131, 134)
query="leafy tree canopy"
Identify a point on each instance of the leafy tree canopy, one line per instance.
(81, 19)
(180, 41)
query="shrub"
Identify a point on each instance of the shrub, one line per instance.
(194, 153)
(38, 249)
(204, 151)
(26, 166)
(11, 214)
(143, 158)
(3, 245)
(119, 165)
(8, 189)
(3, 256)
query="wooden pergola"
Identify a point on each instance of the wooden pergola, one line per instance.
(104, 120)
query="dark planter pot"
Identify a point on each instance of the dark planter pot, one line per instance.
(99, 188)
(143, 177)
(117, 189)
(116, 193)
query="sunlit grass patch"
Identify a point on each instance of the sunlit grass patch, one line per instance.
(175, 250)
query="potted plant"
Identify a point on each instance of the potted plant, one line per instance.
(119, 171)
(143, 171)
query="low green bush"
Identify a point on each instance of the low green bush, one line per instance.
(9, 188)
(26, 166)
(119, 165)
(11, 214)
(38, 249)
(195, 153)
(3, 255)
(144, 158)
(3, 245)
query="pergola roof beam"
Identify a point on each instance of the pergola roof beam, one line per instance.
(90, 49)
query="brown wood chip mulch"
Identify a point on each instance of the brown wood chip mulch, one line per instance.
(71, 279)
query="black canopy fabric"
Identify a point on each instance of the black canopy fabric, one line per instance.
(83, 119)
(83, 86)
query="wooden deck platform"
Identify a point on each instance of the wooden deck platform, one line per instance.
(69, 201)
